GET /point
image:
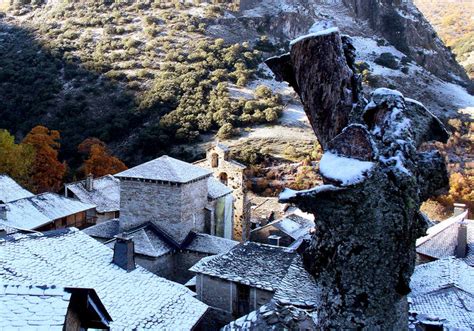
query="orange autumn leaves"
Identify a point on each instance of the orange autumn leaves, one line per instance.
(99, 162)
(35, 161)
(47, 171)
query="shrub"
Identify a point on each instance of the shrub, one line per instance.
(387, 60)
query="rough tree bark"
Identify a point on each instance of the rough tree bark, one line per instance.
(367, 214)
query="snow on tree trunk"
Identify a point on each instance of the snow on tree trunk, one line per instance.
(367, 213)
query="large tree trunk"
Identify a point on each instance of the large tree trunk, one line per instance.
(367, 215)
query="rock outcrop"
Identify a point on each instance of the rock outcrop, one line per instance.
(404, 26)
(367, 213)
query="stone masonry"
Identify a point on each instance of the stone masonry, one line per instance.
(231, 173)
(177, 207)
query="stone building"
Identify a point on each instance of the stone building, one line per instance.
(46, 211)
(175, 213)
(232, 174)
(177, 196)
(284, 231)
(135, 298)
(103, 192)
(240, 281)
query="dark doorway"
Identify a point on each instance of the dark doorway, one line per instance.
(243, 300)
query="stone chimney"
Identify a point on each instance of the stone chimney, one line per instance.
(90, 182)
(124, 253)
(461, 246)
(3, 212)
(274, 240)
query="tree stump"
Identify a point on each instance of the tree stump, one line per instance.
(367, 213)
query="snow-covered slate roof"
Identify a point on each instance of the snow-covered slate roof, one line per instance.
(105, 194)
(70, 258)
(293, 225)
(11, 190)
(444, 289)
(216, 189)
(38, 210)
(293, 306)
(33, 307)
(166, 169)
(205, 243)
(150, 243)
(441, 239)
(250, 263)
(104, 230)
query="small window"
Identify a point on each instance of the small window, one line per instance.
(214, 160)
(223, 178)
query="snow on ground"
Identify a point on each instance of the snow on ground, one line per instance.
(454, 95)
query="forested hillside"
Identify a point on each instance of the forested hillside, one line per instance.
(138, 76)
(454, 21)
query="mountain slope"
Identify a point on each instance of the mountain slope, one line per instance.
(144, 78)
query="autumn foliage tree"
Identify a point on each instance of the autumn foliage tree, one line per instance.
(47, 170)
(99, 161)
(16, 160)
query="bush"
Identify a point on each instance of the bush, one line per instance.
(387, 60)
(226, 131)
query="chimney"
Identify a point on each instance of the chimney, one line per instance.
(89, 182)
(274, 240)
(3, 212)
(459, 208)
(461, 247)
(124, 252)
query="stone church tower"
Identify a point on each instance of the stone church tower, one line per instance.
(231, 173)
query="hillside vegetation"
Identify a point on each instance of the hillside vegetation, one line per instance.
(135, 76)
(454, 22)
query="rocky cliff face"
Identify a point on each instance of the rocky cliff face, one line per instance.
(367, 213)
(403, 25)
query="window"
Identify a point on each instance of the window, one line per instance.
(223, 178)
(214, 160)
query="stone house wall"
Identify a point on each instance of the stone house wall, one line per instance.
(177, 208)
(221, 296)
(233, 175)
(173, 266)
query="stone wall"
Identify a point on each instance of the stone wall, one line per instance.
(221, 296)
(234, 173)
(178, 209)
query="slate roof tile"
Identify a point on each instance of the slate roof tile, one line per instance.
(70, 258)
(11, 190)
(444, 289)
(253, 264)
(105, 193)
(166, 169)
(441, 239)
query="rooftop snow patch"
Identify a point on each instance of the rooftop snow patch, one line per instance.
(69, 258)
(345, 170)
(41, 209)
(105, 194)
(315, 34)
(166, 169)
(11, 191)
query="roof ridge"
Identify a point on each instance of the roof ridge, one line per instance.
(440, 227)
(46, 234)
